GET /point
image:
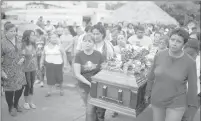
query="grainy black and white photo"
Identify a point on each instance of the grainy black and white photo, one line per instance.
(100, 60)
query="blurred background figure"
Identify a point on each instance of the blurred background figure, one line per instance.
(40, 22)
(41, 41)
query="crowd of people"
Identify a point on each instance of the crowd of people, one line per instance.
(83, 50)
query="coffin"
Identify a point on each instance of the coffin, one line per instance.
(118, 92)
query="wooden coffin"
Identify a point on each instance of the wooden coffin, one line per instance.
(118, 92)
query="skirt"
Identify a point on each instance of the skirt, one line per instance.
(54, 73)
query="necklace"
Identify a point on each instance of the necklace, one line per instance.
(170, 53)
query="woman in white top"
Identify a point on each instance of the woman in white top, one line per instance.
(54, 58)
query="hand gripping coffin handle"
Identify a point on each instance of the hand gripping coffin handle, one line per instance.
(104, 97)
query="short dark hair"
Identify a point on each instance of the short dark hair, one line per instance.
(193, 43)
(100, 28)
(8, 25)
(181, 32)
(99, 23)
(39, 31)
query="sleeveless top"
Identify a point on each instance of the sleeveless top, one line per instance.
(53, 55)
(30, 63)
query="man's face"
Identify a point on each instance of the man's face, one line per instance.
(140, 34)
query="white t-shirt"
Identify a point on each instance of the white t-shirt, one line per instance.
(53, 55)
(145, 41)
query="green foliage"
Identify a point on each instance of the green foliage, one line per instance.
(183, 12)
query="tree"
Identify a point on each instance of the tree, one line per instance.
(183, 12)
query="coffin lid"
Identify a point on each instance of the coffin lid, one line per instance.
(118, 78)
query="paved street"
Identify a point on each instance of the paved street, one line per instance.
(67, 108)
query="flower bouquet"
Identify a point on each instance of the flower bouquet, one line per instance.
(133, 62)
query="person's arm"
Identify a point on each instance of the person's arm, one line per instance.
(100, 65)
(42, 59)
(130, 40)
(69, 45)
(3, 74)
(77, 70)
(151, 77)
(192, 99)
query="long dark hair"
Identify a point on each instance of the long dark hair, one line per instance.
(73, 33)
(26, 38)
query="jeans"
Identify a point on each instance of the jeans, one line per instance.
(93, 113)
(167, 114)
(30, 78)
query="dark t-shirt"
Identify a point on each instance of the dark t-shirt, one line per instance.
(90, 66)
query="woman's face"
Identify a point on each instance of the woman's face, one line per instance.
(121, 40)
(176, 43)
(88, 43)
(11, 33)
(97, 35)
(53, 39)
(162, 44)
(32, 37)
